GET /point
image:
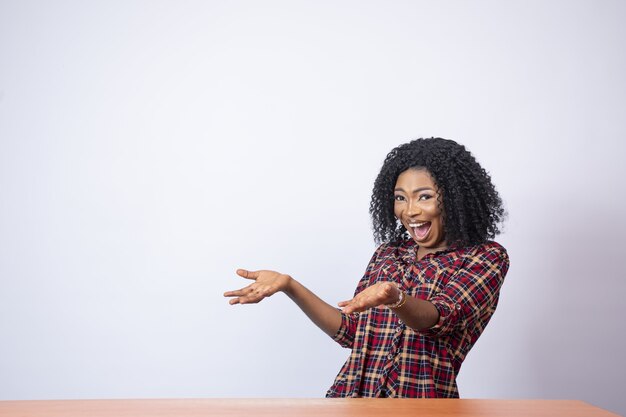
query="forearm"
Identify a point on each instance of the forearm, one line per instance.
(325, 316)
(418, 314)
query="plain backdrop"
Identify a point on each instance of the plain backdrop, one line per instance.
(150, 148)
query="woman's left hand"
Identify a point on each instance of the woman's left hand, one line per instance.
(378, 294)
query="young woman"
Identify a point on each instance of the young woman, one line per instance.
(430, 288)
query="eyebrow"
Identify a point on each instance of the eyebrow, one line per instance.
(417, 190)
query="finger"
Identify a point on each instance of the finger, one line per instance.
(235, 293)
(353, 309)
(244, 300)
(248, 274)
(344, 303)
(347, 306)
(239, 292)
(357, 304)
(251, 294)
(250, 299)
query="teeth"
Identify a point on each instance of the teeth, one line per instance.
(417, 224)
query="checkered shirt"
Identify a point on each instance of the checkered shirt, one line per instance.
(388, 358)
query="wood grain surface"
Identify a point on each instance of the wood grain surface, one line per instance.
(351, 407)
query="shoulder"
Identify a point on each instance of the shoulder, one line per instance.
(487, 258)
(489, 249)
(396, 249)
(481, 257)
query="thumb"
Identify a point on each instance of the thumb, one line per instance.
(248, 274)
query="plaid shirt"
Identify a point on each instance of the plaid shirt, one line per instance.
(388, 358)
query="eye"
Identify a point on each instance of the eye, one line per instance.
(398, 198)
(424, 197)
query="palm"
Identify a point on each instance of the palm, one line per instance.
(266, 283)
(373, 296)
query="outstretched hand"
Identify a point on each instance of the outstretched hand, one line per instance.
(378, 294)
(266, 283)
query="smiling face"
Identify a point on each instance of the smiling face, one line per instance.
(417, 205)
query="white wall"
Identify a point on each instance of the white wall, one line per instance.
(147, 149)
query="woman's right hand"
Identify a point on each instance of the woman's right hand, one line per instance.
(266, 283)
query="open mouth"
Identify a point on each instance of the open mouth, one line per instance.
(420, 230)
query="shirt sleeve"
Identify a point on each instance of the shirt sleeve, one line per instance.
(471, 295)
(345, 334)
(347, 330)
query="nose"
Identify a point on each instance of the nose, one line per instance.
(414, 209)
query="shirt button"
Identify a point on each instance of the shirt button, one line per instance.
(390, 356)
(400, 321)
(398, 329)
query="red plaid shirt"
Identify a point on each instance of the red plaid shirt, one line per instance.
(388, 358)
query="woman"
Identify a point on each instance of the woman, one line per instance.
(430, 288)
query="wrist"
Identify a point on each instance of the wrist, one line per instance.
(288, 286)
(398, 301)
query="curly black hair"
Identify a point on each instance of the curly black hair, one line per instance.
(473, 209)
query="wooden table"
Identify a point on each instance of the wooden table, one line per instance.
(351, 407)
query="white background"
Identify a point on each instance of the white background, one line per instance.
(148, 149)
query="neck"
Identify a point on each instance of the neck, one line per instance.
(422, 251)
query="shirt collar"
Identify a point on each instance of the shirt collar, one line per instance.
(407, 251)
